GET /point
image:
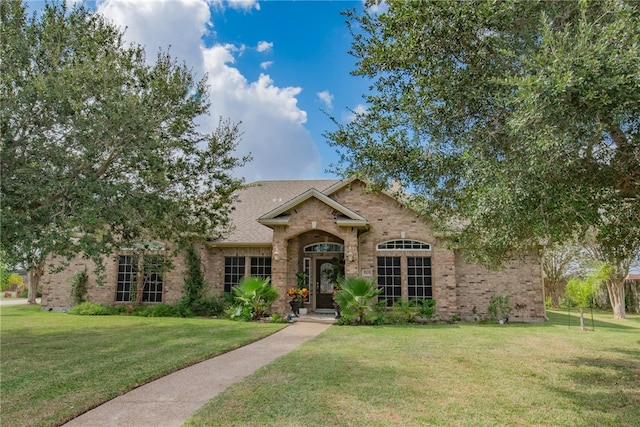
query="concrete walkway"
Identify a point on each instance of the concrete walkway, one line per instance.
(171, 400)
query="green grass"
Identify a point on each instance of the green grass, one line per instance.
(55, 366)
(546, 374)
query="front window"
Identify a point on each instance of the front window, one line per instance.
(419, 278)
(153, 268)
(389, 279)
(261, 267)
(233, 272)
(128, 270)
(404, 245)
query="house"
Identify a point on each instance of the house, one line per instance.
(282, 228)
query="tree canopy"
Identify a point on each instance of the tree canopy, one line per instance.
(515, 123)
(99, 148)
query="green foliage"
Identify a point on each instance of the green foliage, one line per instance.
(23, 292)
(278, 318)
(79, 286)
(513, 122)
(4, 273)
(406, 310)
(93, 309)
(100, 145)
(156, 310)
(426, 308)
(355, 298)
(239, 312)
(499, 307)
(194, 283)
(580, 291)
(194, 301)
(14, 281)
(253, 295)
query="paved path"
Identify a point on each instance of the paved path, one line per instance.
(16, 301)
(170, 400)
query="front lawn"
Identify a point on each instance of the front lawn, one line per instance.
(546, 374)
(55, 366)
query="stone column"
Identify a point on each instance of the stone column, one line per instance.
(279, 256)
(351, 250)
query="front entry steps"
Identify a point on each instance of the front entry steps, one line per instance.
(318, 316)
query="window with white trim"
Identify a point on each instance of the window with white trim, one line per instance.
(389, 279)
(128, 269)
(153, 269)
(419, 278)
(404, 245)
(325, 247)
(260, 267)
(127, 272)
(233, 271)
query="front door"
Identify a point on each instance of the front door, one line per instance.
(324, 287)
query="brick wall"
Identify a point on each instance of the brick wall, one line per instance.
(520, 279)
(56, 286)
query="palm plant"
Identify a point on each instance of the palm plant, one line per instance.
(355, 297)
(255, 293)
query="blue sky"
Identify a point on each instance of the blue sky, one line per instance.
(273, 65)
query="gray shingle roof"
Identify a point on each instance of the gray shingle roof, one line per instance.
(258, 198)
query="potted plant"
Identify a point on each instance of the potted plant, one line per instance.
(296, 299)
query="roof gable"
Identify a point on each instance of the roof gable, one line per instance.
(277, 216)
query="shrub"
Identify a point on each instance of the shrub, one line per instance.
(426, 308)
(156, 310)
(79, 284)
(355, 296)
(239, 312)
(256, 294)
(93, 309)
(13, 281)
(499, 307)
(23, 292)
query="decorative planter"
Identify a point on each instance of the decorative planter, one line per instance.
(336, 307)
(303, 310)
(295, 307)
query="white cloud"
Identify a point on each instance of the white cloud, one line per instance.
(351, 115)
(163, 24)
(264, 46)
(242, 4)
(272, 123)
(266, 64)
(326, 98)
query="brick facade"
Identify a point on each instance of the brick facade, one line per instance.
(336, 216)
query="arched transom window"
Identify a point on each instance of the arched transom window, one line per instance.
(325, 247)
(404, 245)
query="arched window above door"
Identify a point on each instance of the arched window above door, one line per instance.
(403, 245)
(325, 247)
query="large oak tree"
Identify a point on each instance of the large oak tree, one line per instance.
(99, 147)
(515, 123)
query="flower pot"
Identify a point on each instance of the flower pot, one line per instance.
(303, 310)
(295, 307)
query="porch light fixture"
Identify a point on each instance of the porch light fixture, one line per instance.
(276, 254)
(350, 255)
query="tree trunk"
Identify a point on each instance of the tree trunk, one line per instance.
(35, 273)
(616, 296)
(581, 319)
